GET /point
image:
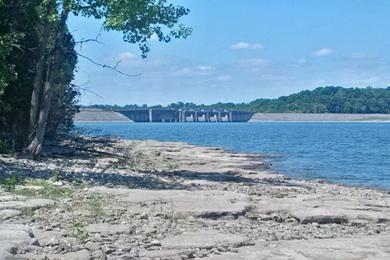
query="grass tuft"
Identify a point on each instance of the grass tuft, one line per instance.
(44, 189)
(9, 184)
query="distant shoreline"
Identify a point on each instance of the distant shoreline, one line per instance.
(102, 121)
(325, 117)
(288, 121)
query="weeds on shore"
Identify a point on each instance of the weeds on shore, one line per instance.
(172, 167)
(9, 184)
(85, 209)
(95, 207)
(145, 162)
(139, 161)
(56, 175)
(78, 230)
(43, 189)
(35, 188)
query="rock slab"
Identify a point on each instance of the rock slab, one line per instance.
(12, 236)
(368, 247)
(203, 239)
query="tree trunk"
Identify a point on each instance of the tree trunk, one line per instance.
(35, 147)
(38, 84)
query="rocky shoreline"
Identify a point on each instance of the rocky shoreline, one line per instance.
(121, 199)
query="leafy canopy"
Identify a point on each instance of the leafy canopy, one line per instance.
(138, 20)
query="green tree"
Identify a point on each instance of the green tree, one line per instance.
(38, 58)
(138, 20)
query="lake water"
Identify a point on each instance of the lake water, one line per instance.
(348, 153)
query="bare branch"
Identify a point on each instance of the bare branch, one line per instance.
(82, 41)
(86, 90)
(96, 39)
(82, 85)
(116, 65)
(105, 66)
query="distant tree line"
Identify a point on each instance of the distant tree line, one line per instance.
(38, 57)
(328, 100)
(320, 100)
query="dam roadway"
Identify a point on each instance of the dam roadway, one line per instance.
(173, 115)
(98, 115)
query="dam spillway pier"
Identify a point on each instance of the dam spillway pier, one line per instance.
(178, 115)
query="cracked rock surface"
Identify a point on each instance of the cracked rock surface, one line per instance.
(122, 199)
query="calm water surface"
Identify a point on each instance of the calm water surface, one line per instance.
(349, 153)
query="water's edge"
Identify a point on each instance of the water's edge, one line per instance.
(352, 154)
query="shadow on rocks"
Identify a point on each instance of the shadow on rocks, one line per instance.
(106, 179)
(209, 176)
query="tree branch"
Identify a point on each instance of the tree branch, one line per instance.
(86, 90)
(105, 66)
(82, 41)
(96, 39)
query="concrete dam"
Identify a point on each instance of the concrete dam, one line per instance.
(173, 115)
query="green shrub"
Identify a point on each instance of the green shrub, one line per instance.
(56, 175)
(9, 183)
(48, 190)
(95, 207)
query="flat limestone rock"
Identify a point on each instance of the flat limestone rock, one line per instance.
(8, 213)
(28, 204)
(9, 197)
(107, 229)
(12, 236)
(202, 239)
(368, 247)
(77, 255)
(164, 254)
(325, 209)
(184, 203)
(47, 238)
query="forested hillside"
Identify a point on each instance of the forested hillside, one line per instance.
(320, 100)
(38, 57)
(328, 100)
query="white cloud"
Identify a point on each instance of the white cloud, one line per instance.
(126, 56)
(301, 61)
(182, 71)
(223, 78)
(246, 45)
(253, 62)
(362, 81)
(199, 70)
(319, 82)
(205, 68)
(323, 52)
(362, 56)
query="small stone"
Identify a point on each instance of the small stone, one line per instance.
(35, 242)
(144, 216)
(155, 243)
(215, 251)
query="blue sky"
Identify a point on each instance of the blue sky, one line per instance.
(243, 50)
